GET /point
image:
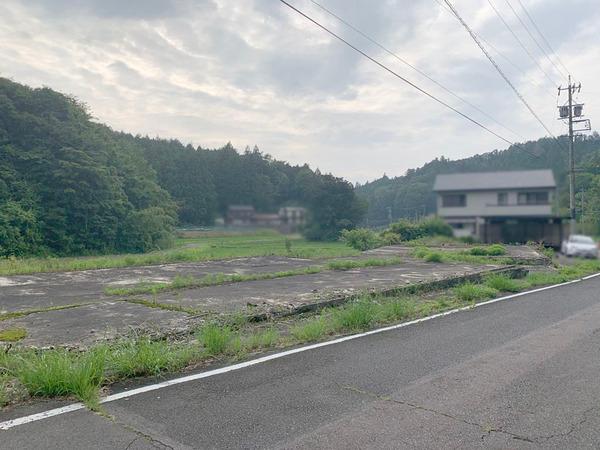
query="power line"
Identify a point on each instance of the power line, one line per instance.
(402, 60)
(490, 45)
(542, 36)
(521, 44)
(499, 70)
(410, 83)
(533, 37)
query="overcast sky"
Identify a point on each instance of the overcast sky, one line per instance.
(254, 72)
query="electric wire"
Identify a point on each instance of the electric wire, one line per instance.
(543, 37)
(499, 70)
(521, 44)
(490, 45)
(416, 69)
(524, 25)
(410, 83)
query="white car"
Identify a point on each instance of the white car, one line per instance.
(580, 245)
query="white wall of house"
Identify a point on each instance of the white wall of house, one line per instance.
(485, 204)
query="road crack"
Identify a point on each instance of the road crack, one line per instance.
(139, 434)
(486, 429)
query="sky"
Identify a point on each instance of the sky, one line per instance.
(254, 72)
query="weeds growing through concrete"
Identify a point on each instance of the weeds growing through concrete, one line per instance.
(187, 282)
(51, 373)
(12, 334)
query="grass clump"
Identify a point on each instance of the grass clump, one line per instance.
(215, 339)
(310, 330)
(503, 284)
(262, 339)
(141, 357)
(61, 373)
(396, 309)
(348, 264)
(356, 316)
(470, 292)
(13, 334)
(490, 250)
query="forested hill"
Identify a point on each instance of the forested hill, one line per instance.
(410, 194)
(69, 185)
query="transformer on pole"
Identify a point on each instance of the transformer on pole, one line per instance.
(572, 112)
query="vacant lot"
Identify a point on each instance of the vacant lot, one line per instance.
(189, 247)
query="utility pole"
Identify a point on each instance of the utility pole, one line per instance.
(571, 162)
(568, 112)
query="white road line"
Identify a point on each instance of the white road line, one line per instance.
(211, 373)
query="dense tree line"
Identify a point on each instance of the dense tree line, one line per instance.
(69, 185)
(411, 194)
(204, 183)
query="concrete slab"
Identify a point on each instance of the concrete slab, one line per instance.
(86, 325)
(25, 292)
(290, 293)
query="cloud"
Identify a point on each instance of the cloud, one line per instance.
(254, 72)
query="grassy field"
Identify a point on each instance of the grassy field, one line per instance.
(60, 373)
(191, 247)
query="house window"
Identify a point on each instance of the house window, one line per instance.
(532, 198)
(502, 199)
(454, 200)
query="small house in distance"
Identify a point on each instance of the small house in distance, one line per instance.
(289, 219)
(511, 206)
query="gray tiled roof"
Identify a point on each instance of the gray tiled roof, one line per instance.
(476, 181)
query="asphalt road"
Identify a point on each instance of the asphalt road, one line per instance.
(521, 373)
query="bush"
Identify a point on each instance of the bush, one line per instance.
(409, 231)
(436, 257)
(496, 250)
(435, 227)
(390, 238)
(361, 239)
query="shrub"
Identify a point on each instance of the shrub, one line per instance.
(435, 257)
(409, 231)
(390, 238)
(496, 250)
(435, 227)
(477, 251)
(361, 239)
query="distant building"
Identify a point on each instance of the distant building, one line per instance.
(514, 206)
(288, 220)
(292, 218)
(239, 215)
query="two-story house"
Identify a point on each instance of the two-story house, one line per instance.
(515, 206)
